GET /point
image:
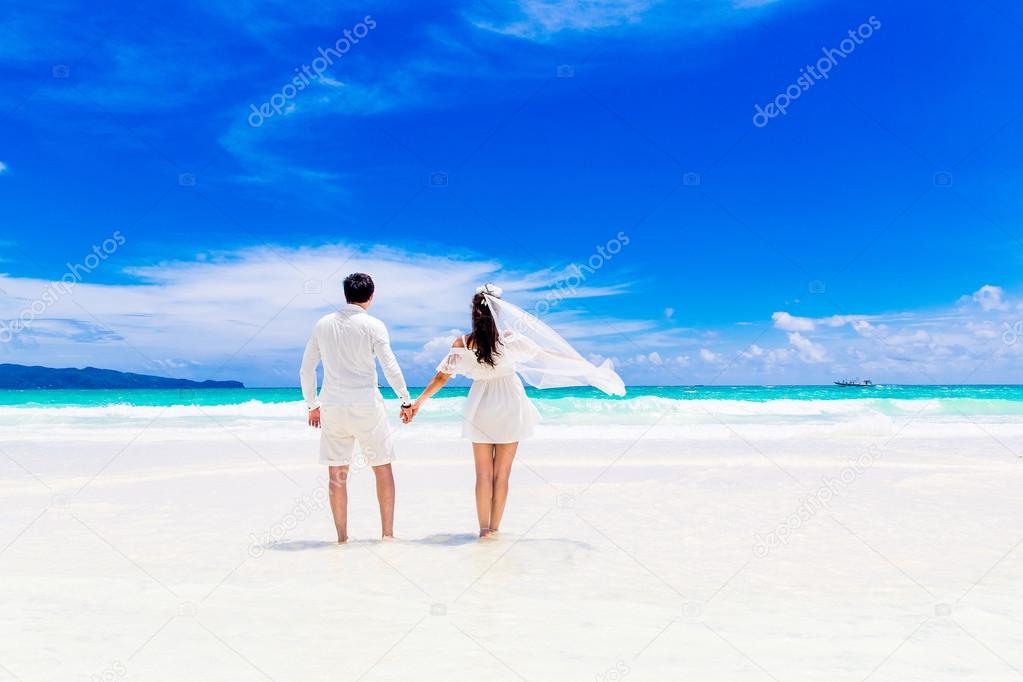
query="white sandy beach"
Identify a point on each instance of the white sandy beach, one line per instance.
(160, 548)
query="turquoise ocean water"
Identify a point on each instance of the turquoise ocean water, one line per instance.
(961, 394)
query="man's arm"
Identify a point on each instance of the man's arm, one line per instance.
(389, 363)
(307, 375)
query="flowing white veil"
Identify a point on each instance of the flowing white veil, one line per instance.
(550, 361)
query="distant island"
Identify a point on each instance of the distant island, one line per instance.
(34, 377)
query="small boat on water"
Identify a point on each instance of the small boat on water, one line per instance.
(854, 382)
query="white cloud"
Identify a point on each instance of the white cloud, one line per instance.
(909, 338)
(541, 20)
(436, 348)
(535, 19)
(246, 314)
(958, 342)
(989, 297)
(642, 359)
(249, 312)
(709, 356)
(970, 339)
(791, 323)
(768, 358)
(839, 320)
(3, 167)
(807, 349)
(984, 329)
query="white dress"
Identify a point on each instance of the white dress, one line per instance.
(498, 409)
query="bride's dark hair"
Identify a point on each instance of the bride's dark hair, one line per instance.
(484, 336)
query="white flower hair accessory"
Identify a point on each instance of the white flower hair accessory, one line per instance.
(489, 289)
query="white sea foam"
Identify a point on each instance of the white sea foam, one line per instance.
(562, 417)
(570, 410)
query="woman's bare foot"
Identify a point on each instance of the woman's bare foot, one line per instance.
(387, 538)
(342, 541)
(484, 533)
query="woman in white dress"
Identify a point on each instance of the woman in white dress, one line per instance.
(505, 341)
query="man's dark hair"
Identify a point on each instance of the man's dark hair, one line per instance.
(358, 287)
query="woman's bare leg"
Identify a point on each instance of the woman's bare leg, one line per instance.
(339, 501)
(484, 456)
(504, 455)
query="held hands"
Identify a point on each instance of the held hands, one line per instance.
(408, 413)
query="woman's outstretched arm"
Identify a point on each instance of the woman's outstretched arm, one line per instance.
(437, 383)
(450, 363)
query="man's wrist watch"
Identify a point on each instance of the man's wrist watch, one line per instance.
(406, 404)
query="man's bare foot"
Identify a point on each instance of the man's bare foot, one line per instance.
(485, 534)
(342, 541)
(387, 538)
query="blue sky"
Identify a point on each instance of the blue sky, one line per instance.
(873, 229)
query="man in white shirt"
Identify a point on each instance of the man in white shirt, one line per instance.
(349, 407)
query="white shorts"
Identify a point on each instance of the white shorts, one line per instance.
(342, 425)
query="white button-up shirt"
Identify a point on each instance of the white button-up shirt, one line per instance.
(346, 342)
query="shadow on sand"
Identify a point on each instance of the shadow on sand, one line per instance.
(447, 539)
(302, 545)
(436, 540)
(456, 539)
